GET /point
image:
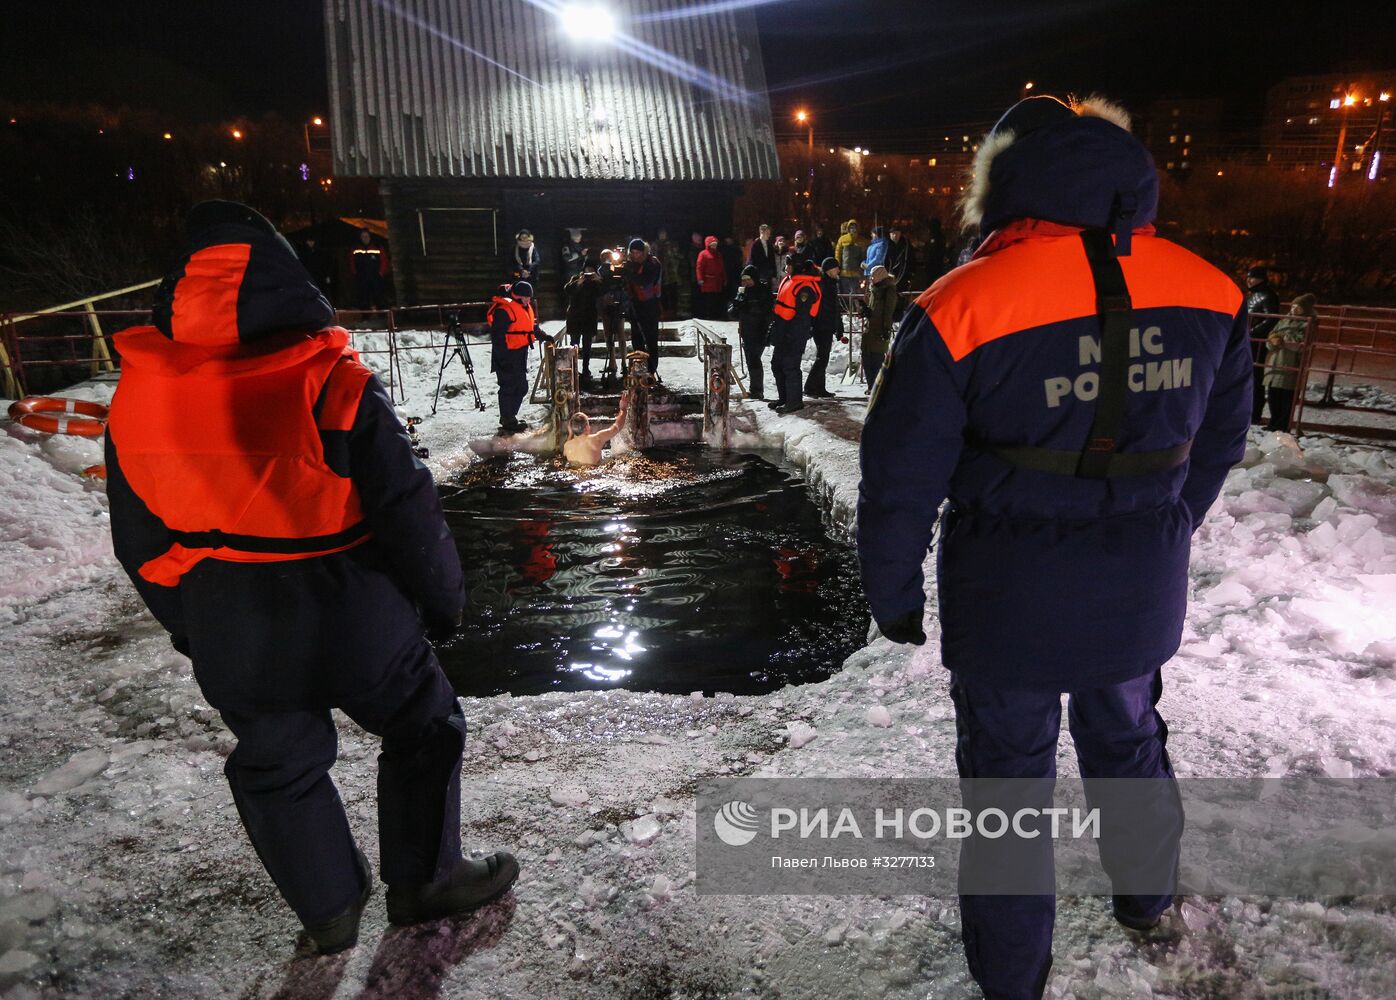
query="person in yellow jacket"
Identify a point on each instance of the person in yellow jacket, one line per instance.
(849, 251)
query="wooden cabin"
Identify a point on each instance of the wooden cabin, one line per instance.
(483, 117)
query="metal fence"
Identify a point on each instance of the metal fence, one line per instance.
(51, 348)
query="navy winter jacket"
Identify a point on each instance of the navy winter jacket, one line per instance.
(1048, 580)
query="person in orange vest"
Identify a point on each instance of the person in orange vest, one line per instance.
(513, 330)
(266, 503)
(796, 306)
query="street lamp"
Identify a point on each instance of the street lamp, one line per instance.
(588, 22)
(237, 134)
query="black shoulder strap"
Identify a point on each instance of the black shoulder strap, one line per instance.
(1100, 457)
(1113, 305)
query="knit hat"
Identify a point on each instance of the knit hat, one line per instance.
(809, 267)
(637, 244)
(521, 290)
(828, 263)
(878, 273)
(750, 272)
(1306, 304)
(1260, 271)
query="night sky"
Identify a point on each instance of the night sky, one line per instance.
(880, 74)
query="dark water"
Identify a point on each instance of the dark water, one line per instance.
(681, 570)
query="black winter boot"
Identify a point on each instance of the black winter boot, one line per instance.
(468, 886)
(341, 931)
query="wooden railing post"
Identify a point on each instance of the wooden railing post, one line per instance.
(101, 355)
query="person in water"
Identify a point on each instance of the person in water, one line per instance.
(585, 448)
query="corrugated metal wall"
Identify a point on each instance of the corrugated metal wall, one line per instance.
(492, 88)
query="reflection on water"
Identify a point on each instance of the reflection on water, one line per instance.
(679, 570)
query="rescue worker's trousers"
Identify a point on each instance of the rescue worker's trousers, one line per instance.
(511, 370)
(644, 330)
(823, 346)
(279, 774)
(1006, 732)
(789, 342)
(752, 330)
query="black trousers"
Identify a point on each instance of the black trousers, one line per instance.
(1258, 393)
(644, 331)
(1012, 733)
(279, 774)
(1281, 403)
(789, 344)
(511, 371)
(752, 330)
(823, 345)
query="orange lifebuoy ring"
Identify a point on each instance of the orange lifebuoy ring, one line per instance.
(54, 415)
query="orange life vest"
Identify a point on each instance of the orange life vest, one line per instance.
(522, 322)
(222, 443)
(790, 288)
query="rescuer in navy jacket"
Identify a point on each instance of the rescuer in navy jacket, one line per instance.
(1064, 549)
(267, 505)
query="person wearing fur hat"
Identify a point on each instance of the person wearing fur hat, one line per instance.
(1286, 352)
(267, 505)
(1077, 391)
(523, 261)
(1263, 303)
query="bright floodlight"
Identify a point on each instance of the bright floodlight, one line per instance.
(588, 22)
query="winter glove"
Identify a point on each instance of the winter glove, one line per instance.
(440, 629)
(906, 629)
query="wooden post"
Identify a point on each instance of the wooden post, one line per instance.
(717, 394)
(101, 355)
(565, 403)
(13, 388)
(638, 382)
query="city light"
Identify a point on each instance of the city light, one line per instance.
(237, 133)
(317, 121)
(1385, 96)
(168, 136)
(1350, 100)
(1376, 166)
(801, 117)
(1333, 175)
(588, 22)
(1027, 86)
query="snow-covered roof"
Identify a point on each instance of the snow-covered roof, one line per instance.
(498, 89)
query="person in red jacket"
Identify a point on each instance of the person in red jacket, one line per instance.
(267, 505)
(711, 273)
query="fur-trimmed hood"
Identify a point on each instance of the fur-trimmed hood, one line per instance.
(1076, 171)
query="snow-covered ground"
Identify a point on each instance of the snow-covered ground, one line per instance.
(124, 871)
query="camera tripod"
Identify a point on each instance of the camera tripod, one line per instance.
(456, 346)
